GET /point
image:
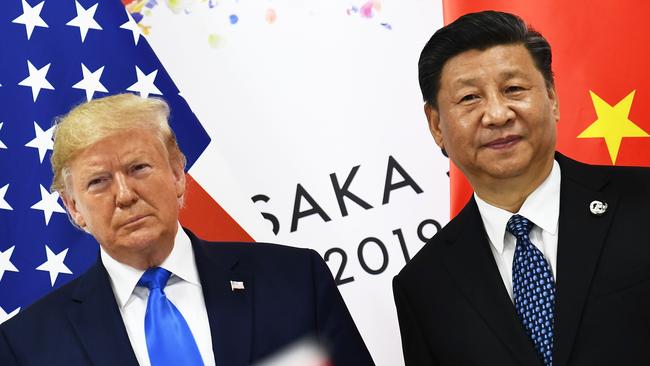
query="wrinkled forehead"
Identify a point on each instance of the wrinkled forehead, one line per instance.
(501, 62)
(119, 149)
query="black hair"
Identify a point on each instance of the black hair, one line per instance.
(479, 31)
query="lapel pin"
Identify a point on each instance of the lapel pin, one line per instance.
(598, 208)
(236, 285)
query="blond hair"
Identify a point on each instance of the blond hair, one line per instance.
(97, 119)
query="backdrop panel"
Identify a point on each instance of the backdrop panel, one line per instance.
(316, 123)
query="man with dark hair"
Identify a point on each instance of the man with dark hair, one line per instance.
(486, 289)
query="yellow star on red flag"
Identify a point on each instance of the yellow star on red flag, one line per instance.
(613, 123)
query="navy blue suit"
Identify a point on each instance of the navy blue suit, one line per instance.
(289, 294)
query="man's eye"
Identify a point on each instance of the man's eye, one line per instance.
(96, 181)
(514, 89)
(468, 98)
(139, 167)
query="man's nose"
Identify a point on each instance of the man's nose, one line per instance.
(125, 195)
(497, 112)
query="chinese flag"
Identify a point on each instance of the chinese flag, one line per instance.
(602, 77)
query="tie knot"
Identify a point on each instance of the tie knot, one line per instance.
(519, 226)
(154, 278)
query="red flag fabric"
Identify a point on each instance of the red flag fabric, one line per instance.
(206, 218)
(600, 62)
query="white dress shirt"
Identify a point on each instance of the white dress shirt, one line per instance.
(542, 208)
(183, 290)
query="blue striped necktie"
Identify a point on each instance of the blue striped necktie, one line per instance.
(533, 289)
(169, 338)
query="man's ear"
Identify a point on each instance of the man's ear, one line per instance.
(71, 206)
(433, 117)
(179, 178)
(555, 103)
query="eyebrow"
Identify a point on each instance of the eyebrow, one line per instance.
(91, 172)
(97, 167)
(509, 74)
(464, 81)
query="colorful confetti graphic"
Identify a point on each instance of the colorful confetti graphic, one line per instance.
(227, 14)
(368, 10)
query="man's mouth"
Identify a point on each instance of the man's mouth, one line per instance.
(134, 219)
(504, 142)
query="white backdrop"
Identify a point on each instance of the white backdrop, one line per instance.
(294, 91)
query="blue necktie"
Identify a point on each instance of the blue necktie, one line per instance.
(169, 338)
(533, 289)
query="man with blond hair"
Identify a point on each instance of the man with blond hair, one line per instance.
(158, 295)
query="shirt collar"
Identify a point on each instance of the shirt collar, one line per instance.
(542, 207)
(180, 263)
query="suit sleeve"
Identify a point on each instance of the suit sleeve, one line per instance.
(336, 329)
(416, 351)
(7, 357)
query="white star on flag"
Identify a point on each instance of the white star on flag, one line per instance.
(48, 204)
(5, 262)
(31, 18)
(36, 79)
(54, 264)
(132, 26)
(85, 20)
(145, 84)
(4, 316)
(90, 82)
(3, 203)
(2, 145)
(42, 141)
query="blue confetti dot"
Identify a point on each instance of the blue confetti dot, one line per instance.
(234, 19)
(137, 17)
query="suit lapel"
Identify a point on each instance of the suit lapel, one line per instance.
(581, 238)
(230, 311)
(95, 317)
(471, 264)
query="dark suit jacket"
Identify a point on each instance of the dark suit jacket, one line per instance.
(454, 309)
(289, 294)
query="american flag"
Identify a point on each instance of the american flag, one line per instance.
(55, 54)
